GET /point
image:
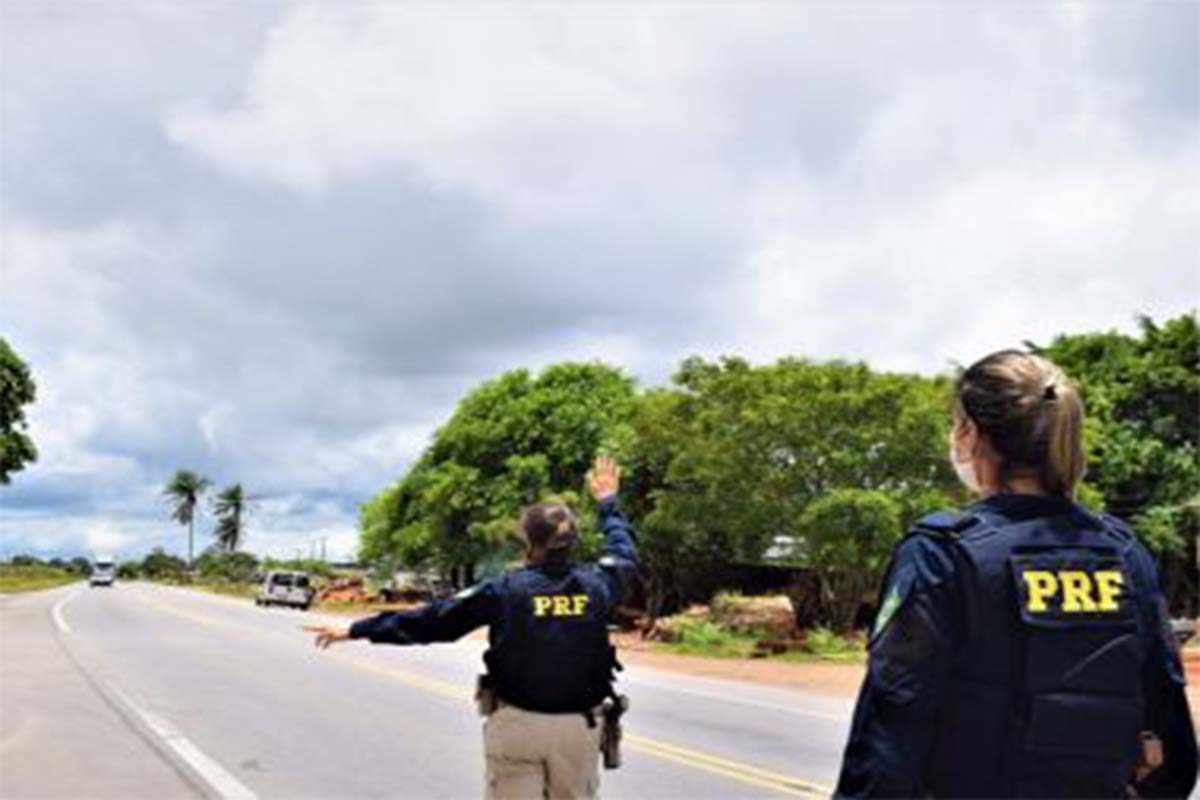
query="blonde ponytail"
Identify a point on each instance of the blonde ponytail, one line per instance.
(1065, 462)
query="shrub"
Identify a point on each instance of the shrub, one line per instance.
(826, 644)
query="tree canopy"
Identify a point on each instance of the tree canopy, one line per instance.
(17, 390)
(817, 465)
(511, 441)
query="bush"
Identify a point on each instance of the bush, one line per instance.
(826, 644)
(161, 564)
(705, 633)
(216, 565)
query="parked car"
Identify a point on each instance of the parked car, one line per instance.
(285, 589)
(104, 572)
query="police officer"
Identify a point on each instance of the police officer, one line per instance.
(1022, 647)
(550, 664)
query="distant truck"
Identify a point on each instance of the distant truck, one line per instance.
(285, 589)
(104, 572)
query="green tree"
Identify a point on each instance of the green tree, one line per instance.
(17, 390)
(848, 536)
(738, 453)
(511, 441)
(184, 490)
(160, 564)
(229, 507)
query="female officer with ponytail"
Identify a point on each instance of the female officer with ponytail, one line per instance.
(1022, 647)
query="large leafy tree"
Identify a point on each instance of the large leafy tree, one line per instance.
(17, 390)
(184, 491)
(511, 441)
(739, 452)
(229, 507)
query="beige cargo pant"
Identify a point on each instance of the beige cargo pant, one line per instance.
(532, 755)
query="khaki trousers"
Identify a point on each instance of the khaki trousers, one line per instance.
(532, 755)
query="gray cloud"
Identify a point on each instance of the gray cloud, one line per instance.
(276, 242)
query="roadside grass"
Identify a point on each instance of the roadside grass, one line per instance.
(709, 639)
(33, 578)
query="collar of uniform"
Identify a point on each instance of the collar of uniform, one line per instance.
(1024, 506)
(552, 567)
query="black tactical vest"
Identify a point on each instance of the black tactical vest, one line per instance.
(551, 653)
(1045, 693)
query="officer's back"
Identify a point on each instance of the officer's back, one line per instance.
(550, 665)
(549, 650)
(1021, 647)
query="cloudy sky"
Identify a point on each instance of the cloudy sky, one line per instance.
(275, 241)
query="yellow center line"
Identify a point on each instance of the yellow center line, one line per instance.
(718, 765)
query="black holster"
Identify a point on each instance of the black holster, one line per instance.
(486, 701)
(610, 735)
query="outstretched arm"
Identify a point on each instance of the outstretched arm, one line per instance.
(440, 621)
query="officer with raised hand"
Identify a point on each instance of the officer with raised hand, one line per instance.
(550, 666)
(1022, 646)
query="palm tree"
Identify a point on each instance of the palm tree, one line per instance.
(230, 510)
(184, 490)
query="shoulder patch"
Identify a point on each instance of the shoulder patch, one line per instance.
(470, 591)
(891, 603)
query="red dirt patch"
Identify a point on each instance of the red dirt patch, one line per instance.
(828, 678)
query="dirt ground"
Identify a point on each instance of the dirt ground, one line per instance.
(828, 678)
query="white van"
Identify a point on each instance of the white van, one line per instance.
(285, 589)
(104, 572)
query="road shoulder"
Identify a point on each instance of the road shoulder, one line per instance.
(59, 737)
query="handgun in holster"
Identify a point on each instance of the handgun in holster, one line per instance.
(610, 735)
(486, 700)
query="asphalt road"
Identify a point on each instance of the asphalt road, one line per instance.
(152, 692)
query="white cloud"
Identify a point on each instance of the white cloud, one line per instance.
(276, 244)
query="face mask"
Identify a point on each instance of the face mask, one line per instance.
(966, 471)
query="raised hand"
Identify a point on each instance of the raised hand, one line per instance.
(327, 635)
(605, 479)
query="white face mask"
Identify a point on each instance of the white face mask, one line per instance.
(966, 471)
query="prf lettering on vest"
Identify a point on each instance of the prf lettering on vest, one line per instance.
(1078, 591)
(560, 605)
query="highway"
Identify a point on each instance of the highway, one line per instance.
(156, 692)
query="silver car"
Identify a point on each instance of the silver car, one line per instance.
(285, 589)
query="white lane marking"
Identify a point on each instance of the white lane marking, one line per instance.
(222, 782)
(57, 612)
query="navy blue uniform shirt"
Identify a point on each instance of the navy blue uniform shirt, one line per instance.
(995, 669)
(484, 603)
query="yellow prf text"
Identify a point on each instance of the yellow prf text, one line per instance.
(560, 605)
(1078, 591)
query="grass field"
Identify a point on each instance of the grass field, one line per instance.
(32, 578)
